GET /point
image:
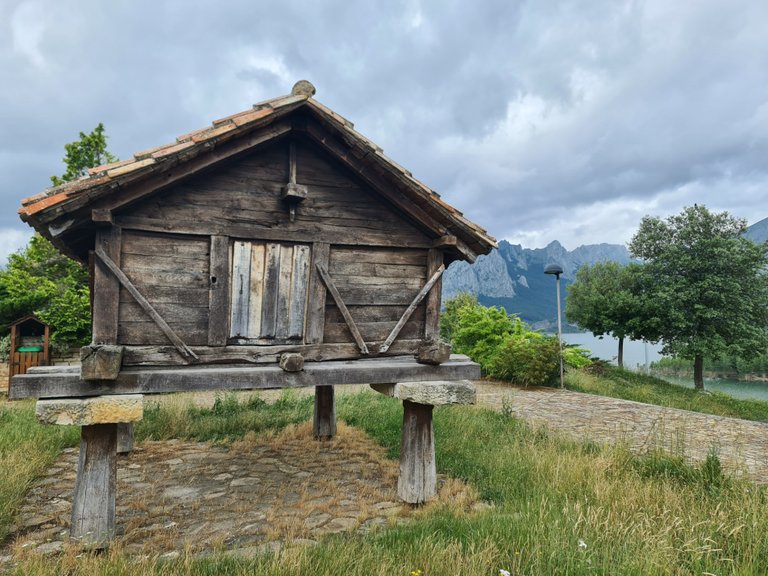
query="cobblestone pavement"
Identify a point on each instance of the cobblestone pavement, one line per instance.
(742, 445)
(257, 494)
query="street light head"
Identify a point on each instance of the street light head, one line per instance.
(555, 269)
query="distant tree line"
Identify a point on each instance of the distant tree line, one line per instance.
(701, 289)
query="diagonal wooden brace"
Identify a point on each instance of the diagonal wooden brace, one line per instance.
(343, 307)
(183, 349)
(407, 314)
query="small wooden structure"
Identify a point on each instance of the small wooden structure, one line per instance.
(277, 248)
(29, 345)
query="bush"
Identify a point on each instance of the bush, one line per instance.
(5, 348)
(476, 330)
(503, 345)
(529, 359)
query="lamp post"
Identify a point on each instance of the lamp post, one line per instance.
(556, 270)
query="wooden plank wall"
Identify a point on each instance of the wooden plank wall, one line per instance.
(243, 200)
(172, 272)
(377, 285)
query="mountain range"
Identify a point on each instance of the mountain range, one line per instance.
(513, 278)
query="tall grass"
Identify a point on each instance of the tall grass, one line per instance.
(641, 515)
(27, 449)
(627, 385)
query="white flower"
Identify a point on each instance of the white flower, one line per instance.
(582, 544)
(503, 572)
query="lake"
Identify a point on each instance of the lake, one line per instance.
(638, 354)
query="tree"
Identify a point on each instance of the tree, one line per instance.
(41, 280)
(87, 152)
(602, 300)
(708, 285)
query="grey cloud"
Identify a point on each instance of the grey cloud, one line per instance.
(519, 113)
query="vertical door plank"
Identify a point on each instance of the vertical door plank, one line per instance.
(271, 289)
(218, 293)
(257, 290)
(317, 291)
(241, 288)
(299, 283)
(284, 292)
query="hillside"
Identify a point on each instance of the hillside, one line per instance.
(513, 277)
(758, 231)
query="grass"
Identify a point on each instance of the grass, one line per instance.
(651, 514)
(26, 451)
(628, 385)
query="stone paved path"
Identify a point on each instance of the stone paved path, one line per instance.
(742, 445)
(255, 495)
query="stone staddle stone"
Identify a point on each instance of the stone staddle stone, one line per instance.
(88, 411)
(436, 393)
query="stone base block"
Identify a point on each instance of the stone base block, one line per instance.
(437, 393)
(90, 411)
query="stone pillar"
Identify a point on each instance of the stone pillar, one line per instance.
(93, 504)
(324, 420)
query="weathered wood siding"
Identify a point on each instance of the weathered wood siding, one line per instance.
(377, 285)
(172, 272)
(243, 200)
(268, 292)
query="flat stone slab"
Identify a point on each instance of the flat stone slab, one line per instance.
(88, 411)
(436, 393)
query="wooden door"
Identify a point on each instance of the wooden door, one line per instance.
(21, 361)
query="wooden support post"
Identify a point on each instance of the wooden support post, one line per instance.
(324, 422)
(125, 438)
(418, 472)
(93, 505)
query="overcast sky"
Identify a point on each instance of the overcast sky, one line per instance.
(540, 120)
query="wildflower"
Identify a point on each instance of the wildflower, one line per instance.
(582, 544)
(416, 572)
(503, 572)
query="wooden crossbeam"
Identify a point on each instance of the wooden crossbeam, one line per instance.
(179, 344)
(342, 307)
(407, 314)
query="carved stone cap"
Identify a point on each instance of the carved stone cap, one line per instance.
(303, 88)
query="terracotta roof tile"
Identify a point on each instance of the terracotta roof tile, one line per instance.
(251, 116)
(212, 133)
(168, 149)
(130, 167)
(105, 167)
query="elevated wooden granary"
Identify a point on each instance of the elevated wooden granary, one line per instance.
(278, 247)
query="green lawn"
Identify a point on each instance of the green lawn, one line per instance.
(628, 385)
(635, 515)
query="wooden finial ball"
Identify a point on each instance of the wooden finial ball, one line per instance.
(303, 88)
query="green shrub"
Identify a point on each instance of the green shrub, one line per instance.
(5, 348)
(529, 359)
(478, 331)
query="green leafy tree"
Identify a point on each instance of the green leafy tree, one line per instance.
(707, 283)
(39, 279)
(87, 152)
(607, 298)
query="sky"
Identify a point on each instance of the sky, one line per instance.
(541, 121)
